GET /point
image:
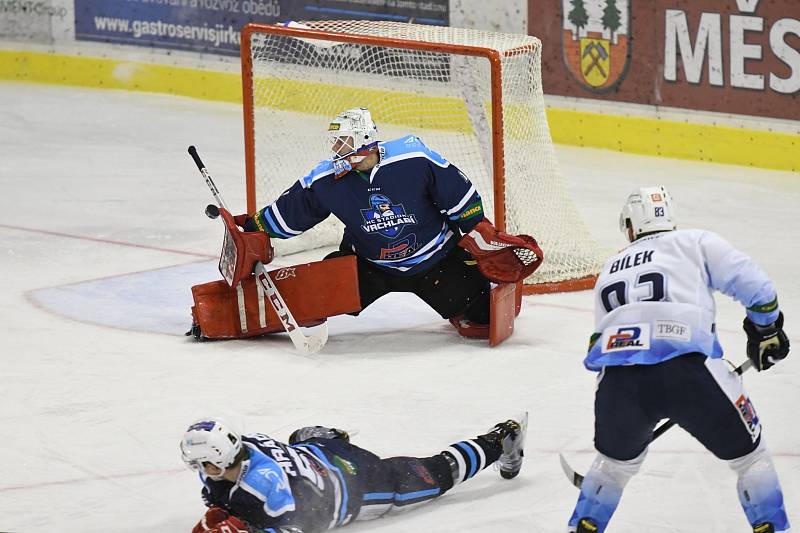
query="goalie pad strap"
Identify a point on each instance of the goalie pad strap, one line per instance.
(313, 291)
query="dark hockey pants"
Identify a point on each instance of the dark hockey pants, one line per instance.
(700, 394)
(375, 486)
(453, 286)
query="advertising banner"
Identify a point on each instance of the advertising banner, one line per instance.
(730, 56)
(213, 25)
(29, 20)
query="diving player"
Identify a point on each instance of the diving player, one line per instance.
(656, 348)
(320, 480)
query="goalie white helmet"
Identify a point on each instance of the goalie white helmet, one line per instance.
(352, 131)
(647, 209)
(210, 440)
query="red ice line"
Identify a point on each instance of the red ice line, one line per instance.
(10, 488)
(85, 479)
(106, 241)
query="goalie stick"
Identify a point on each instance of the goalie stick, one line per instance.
(577, 479)
(306, 344)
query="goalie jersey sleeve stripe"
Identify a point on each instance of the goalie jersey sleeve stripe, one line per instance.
(294, 212)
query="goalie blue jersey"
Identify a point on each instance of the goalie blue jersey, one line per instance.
(282, 487)
(654, 299)
(403, 216)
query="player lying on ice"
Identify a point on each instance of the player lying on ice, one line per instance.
(658, 355)
(413, 222)
(253, 483)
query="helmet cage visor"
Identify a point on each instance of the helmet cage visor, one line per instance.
(342, 145)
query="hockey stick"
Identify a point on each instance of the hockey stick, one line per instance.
(303, 343)
(577, 479)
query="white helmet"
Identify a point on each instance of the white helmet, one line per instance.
(350, 132)
(210, 440)
(647, 209)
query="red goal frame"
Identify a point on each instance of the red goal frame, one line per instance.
(498, 161)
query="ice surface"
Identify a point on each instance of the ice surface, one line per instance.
(102, 233)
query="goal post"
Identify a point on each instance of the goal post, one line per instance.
(473, 96)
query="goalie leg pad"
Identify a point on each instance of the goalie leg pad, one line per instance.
(505, 302)
(313, 291)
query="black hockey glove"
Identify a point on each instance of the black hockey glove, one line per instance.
(317, 432)
(766, 345)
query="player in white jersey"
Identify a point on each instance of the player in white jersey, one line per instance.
(656, 348)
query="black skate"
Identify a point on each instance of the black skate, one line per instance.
(765, 527)
(510, 435)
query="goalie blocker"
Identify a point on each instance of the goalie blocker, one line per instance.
(237, 307)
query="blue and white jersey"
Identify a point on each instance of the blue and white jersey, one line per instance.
(654, 299)
(280, 487)
(403, 216)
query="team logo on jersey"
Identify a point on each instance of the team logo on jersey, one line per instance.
(627, 337)
(384, 217)
(749, 416)
(596, 41)
(400, 249)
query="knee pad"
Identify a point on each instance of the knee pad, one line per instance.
(620, 472)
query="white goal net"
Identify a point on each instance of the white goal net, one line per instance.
(473, 96)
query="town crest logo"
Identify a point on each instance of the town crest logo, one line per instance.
(595, 39)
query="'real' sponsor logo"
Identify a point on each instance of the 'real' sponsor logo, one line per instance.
(399, 249)
(626, 337)
(748, 413)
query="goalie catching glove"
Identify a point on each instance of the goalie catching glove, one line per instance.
(502, 258)
(766, 345)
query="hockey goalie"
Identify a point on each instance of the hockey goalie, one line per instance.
(413, 222)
